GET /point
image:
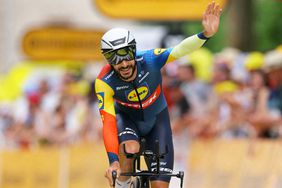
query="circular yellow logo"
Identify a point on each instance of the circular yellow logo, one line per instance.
(142, 92)
(100, 101)
(158, 51)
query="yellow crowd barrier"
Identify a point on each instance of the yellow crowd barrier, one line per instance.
(74, 167)
(211, 164)
(235, 164)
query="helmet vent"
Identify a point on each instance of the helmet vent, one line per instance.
(118, 41)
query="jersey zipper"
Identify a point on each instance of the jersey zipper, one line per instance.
(139, 100)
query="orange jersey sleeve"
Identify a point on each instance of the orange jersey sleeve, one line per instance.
(107, 111)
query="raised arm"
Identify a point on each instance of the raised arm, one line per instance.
(210, 24)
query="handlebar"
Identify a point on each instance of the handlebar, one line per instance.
(145, 173)
(149, 155)
(181, 177)
(114, 176)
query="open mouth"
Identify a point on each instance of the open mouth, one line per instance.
(126, 70)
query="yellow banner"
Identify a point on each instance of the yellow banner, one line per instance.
(62, 43)
(26, 169)
(211, 164)
(235, 164)
(78, 166)
(155, 9)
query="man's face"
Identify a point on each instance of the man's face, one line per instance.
(275, 77)
(126, 70)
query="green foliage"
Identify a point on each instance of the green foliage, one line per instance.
(267, 24)
(267, 27)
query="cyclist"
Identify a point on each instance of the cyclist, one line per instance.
(131, 101)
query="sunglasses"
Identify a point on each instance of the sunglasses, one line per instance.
(117, 56)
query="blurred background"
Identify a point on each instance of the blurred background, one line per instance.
(225, 99)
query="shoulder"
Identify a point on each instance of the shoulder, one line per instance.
(106, 74)
(154, 53)
(102, 82)
(105, 71)
(157, 56)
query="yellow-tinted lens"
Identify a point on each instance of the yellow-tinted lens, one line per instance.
(122, 52)
(109, 55)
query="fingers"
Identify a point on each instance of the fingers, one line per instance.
(212, 11)
(217, 10)
(109, 172)
(108, 175)
(208, 10)
(213, 8)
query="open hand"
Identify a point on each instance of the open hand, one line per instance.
(211, 19)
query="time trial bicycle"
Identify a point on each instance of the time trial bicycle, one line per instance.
(142, 177)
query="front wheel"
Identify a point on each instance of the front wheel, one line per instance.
(136, 183)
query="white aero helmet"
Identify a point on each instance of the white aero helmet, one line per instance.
(114, 40)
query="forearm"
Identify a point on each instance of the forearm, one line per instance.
(110, 136)
(188, 45)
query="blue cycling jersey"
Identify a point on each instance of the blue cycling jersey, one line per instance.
(142, 99)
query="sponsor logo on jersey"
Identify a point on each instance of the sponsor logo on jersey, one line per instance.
(147, 73)
(158, 51)
(100, 97)
(142, 92)
(109, 75)
(128, 131)
(121, 87)
(148, 102)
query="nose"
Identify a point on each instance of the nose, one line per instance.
(124, 63)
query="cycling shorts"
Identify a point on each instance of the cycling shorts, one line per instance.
(128, 130)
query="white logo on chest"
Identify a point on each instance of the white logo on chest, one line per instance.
(147, 73)
(121, 87)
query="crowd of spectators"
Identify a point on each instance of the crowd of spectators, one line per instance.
(230, 94)
(53, 111)
(242, 99)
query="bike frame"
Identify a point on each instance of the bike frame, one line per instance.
(145, 175)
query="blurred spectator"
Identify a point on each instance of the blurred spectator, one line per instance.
(227, 109)
(179, 112)
(6, 120)
(273, 67)
(195, 91)
(260, 117)
(180, 108)
(166, 84)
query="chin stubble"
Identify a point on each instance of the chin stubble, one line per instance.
(128, 77)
